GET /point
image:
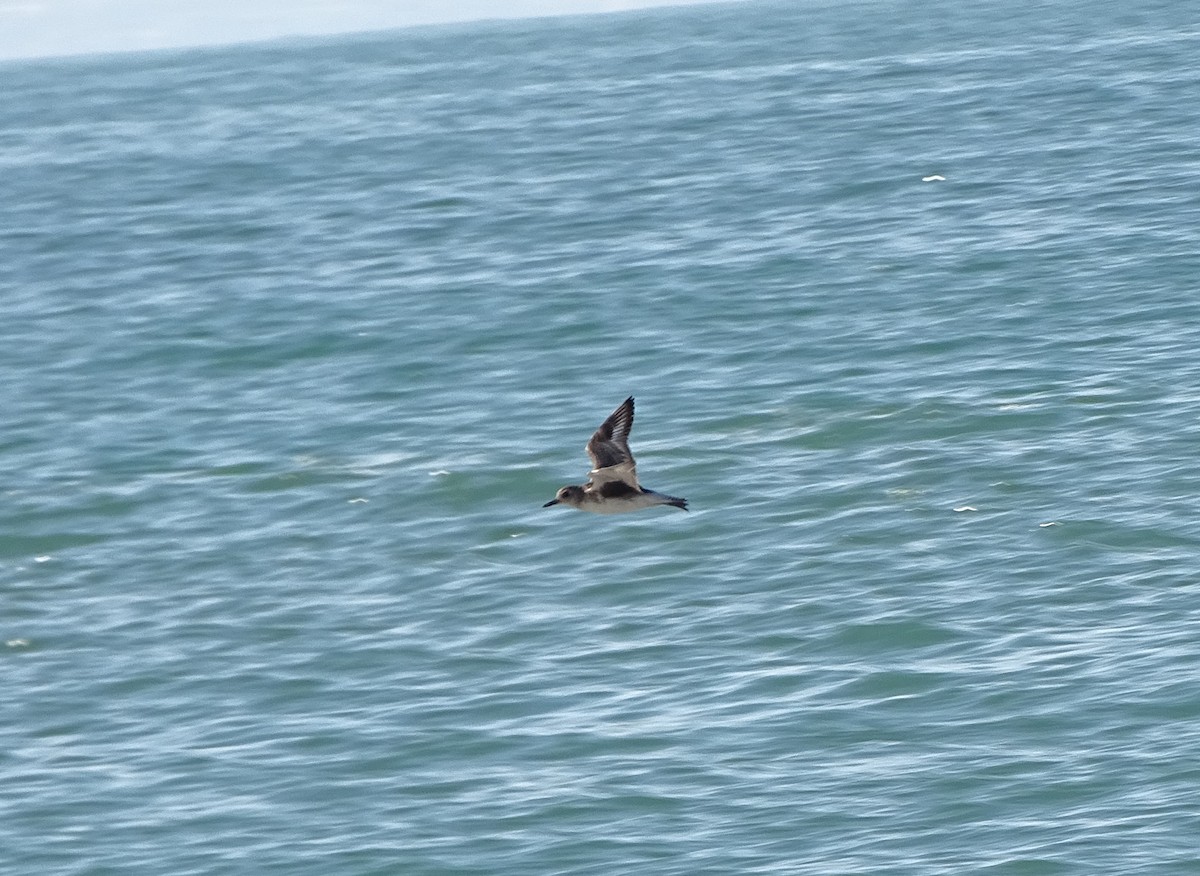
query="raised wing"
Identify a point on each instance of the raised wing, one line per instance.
(610, 445)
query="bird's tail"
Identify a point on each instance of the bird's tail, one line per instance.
(673, 501)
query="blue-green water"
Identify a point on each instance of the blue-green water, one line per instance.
(297, 340)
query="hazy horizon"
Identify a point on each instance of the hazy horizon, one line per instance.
(31, 29)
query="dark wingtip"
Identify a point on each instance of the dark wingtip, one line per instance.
(679, 503)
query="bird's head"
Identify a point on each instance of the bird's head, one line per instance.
(566, 496)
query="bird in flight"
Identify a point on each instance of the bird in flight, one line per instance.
(612, 486)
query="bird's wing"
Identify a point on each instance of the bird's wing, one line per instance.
(610, 445)
(624, 472)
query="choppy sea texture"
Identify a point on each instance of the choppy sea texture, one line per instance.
(298, 338)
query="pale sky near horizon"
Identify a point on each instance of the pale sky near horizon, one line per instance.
(47, 28)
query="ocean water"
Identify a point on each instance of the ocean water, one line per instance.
(297, 339)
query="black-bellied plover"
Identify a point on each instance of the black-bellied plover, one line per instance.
(612, 486)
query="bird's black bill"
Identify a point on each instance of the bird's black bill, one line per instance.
(551, 502)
